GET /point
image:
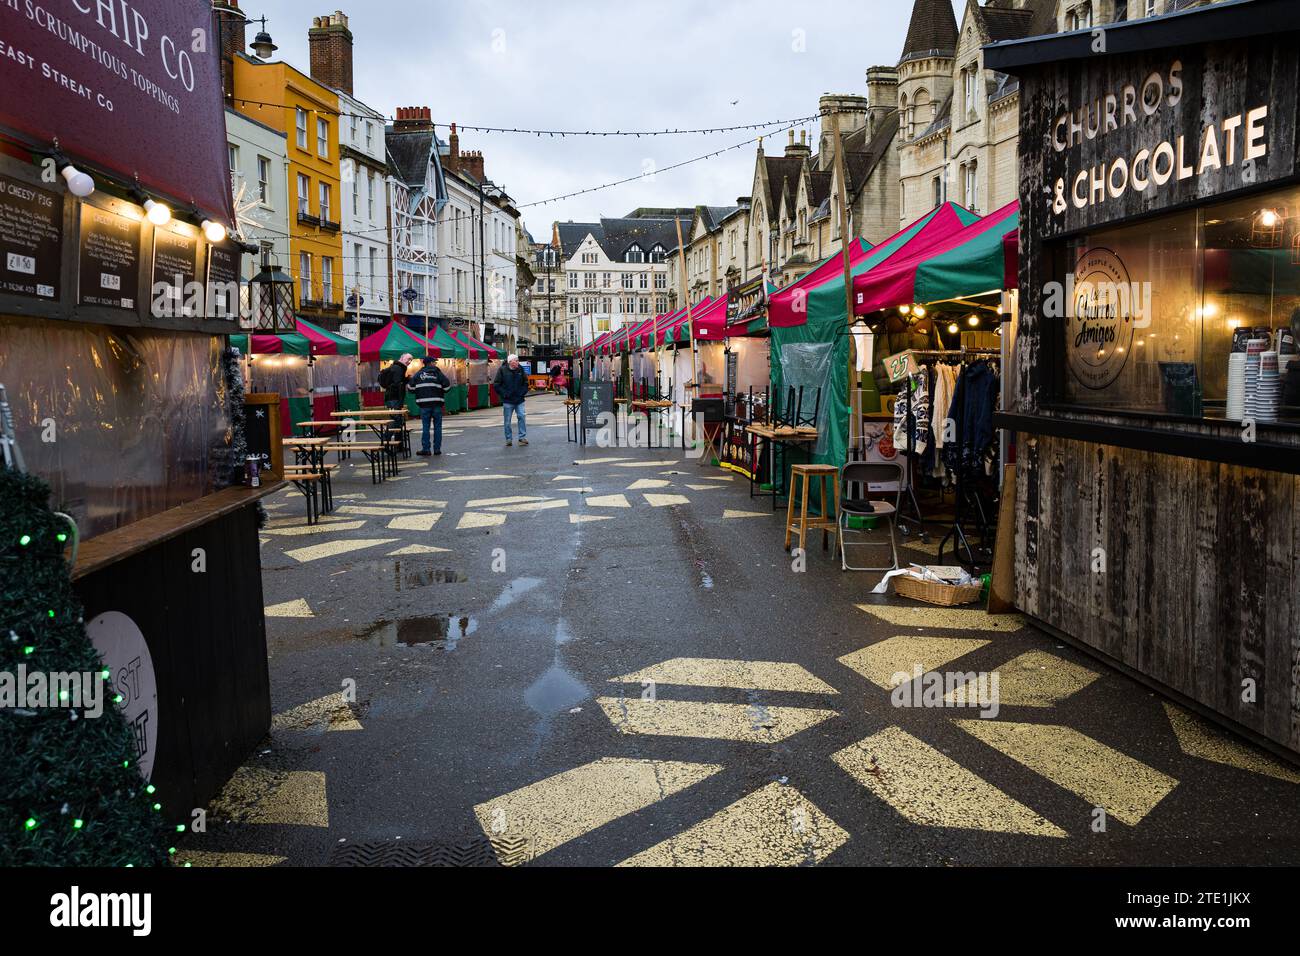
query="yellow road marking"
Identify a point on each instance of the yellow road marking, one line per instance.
(415, 502)
(609, 501)
(713, 672)
(298, 608)
(944, 619)
(415, 522)
(644, 484)
(531, 506)
(476, 477)
(571, 804)
(330, 712)
(417, 549)
(733, 513)
(511, 500)
(597, 461)
(255, 795)
(1199, 739)
(374, 511)
(303, 529)
(664, 501)
(1034, 679)
(773, 826)
(883, 663)
(479, 519)
(580, 519)
(1126, 788)
(933, 790)
(332, 548)
(711, 721)
(208, 858)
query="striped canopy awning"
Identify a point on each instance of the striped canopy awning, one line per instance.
(393, 341)
(307, 339)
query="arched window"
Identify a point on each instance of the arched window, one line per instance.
(634, 254)
(658, 253)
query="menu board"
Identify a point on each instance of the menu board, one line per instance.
(597, 400)
(31, 240)
(109, 260)
(223, 281)
(175, 267)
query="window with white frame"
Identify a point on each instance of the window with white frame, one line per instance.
(370, 134)
(304, 277)
(589, 280)
(634, 254)
(325, 191)
(263, 179)
(971, 186)
(356, 193)
(573, 307)
(353, 137)
(327, 278)
(304, 195)
(301, 124)
(232, 151)
(374, 267)
(661, 280)
(573, 280)
(323, 138)
(658, 253)
(627, 280)
(643, 280)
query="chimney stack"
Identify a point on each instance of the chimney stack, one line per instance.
(412, 118)
(331, 51)
(470, 163)
(233, 27)
(798, 150)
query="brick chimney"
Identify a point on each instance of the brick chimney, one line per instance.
(331, 51)
(413, 118)
(233, 33)
(470, 163)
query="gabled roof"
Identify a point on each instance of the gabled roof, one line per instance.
(409, 154)
(779, 170)
(933, 27)
(616, 236)
(1008, 23)
(862, 156)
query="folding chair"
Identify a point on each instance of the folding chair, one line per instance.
(863, 474)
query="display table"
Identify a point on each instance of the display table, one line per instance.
(774, 438)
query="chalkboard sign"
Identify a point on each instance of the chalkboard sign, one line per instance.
(711, 408)
(262, 433)
(223, 281)
(31, 240)
(597, 399)
(175, 269)
(109, 259)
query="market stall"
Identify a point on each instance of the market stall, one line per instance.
(483, 364)
(1157, 503)
(312, 369)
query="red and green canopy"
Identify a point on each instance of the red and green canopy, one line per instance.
(477, 348)
(307, 339)
(965, 262)
(593, 347)
(711, 321)
(393, 341)
(676, 329)
(809, 301)
(445, 345)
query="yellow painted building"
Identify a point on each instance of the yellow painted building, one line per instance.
(286, 99)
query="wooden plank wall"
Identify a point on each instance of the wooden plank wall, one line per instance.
(1200, 588)
(207, 637)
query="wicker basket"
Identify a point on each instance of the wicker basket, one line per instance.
(932, 592)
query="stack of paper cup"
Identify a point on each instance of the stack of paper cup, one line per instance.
(1254, 349)
(1268, 395)
(1236, 386)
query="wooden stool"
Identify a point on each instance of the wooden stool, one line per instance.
(828, 522)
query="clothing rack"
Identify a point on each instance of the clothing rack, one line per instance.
(914, 458)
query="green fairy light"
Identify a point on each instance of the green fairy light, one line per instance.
(61, 537)
(180, 828)
(157, 806)
(150, 789)
(126, 763)
(78, 823)
(51, 613)
(25, 540)
(29, 650)
(30, 824)
(105, 673)
(117, 699)
(171, 851)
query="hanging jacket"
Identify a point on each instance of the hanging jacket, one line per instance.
(973, 403)
(430, 386)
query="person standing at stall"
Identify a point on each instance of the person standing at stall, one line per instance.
(393, 381)
(512, 385)
(429, 386)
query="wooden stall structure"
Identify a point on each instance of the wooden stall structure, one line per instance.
(1157, 515)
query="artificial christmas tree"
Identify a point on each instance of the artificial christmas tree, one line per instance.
(72, 795)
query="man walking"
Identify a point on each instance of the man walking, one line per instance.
(430, 388)
(393, 381)
(512, 386)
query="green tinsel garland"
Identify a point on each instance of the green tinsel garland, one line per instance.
(70, 794)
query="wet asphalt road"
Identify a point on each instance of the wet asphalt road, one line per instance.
(486, 699)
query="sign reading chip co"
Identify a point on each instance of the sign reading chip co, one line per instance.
(131, 86)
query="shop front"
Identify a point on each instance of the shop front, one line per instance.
(1155, 386)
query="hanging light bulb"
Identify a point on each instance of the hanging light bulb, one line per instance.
(157, 213)
(953, 329)
(904, 309)
(80, 184)
(919, 310)
(973, 320)
(214, 232)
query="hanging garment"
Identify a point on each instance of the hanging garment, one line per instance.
(914, 399)
(973, 404)
(945, 384)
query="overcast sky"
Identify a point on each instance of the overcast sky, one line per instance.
(605, 65)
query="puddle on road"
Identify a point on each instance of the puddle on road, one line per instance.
(513, 592)
(443, 631)
(409, 575)
(555, 691)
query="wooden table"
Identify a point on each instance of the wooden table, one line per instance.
(647, 406)
(311, 453)
(783, 437)
(572, 418)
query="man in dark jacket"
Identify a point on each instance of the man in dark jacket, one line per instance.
(393, 381)
(430, 386)
(512, 386)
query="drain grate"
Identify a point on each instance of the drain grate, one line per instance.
(477, 852)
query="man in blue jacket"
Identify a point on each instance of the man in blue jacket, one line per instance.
(512, 386)
(430, 388)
